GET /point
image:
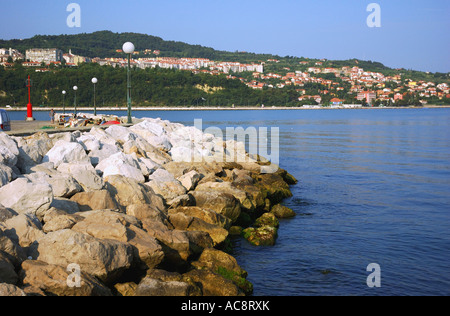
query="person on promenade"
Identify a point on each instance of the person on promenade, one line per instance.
(52, 116)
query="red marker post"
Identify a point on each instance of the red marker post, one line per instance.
(29, 106)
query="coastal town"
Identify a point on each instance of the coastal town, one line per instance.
(316, 83)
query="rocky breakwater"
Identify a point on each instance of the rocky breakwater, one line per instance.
(145, 210)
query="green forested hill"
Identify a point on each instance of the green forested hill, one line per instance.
(151, 87)
(105, 43)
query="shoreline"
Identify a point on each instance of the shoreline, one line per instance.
(71, 109)
(82, 197)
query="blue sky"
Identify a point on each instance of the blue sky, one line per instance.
(413, 33)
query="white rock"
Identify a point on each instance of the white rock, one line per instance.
(6, 175)
(8, 142)
(120, 133)
(190, 180)
(150, 164)
(164, 183)
(125, 170)
(84, 174)
(63, 184)
(89, 142)
(148, 128)
(32, 149)
(66, 152)
(104, 152)
(102, 136)
(182, 154)
(118, 159)
(7, 157)
(24, 196)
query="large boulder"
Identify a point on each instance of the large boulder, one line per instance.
(205, 168)
(274, 186)
(7, 272)
(190, 180)
(261, 236)
(8, 150)
(13, 252)
(54, 280)
(154, 133)
(122, 164)
(105, 151)
(222, 263)
(32, 149)
(148, 251)
(66, 152)
(214, 284)
(106, 224)
(104, 259)
(10, 290)
(6, 174)
(24, 196)
(153, 287)
(7, 157)
(227, 187)
(6, 213)
(188, 223)
(281, 211)
(267, 219)
(147, 212)
(55, 219)
(216, 260)
(63, 185)
(222, 203)
(95, 200)
(128, 191)
(23, 229)
(175, 243)
(84, 173)
(164, 183)
(207, 215)
(120, 133)
(62, 204)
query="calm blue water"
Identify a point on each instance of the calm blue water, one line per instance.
(374, 188)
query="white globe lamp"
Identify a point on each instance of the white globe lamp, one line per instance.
(128, 48)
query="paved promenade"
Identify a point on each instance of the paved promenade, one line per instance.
(23, 128)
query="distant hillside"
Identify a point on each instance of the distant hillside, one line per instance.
(105, 43)
(165, 87)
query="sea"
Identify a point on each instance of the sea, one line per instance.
(372, 202)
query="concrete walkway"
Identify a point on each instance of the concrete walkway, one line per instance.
(23, 128)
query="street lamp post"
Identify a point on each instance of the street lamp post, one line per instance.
(64, 101)
(128, 48)
(94, 81)
(75, 88)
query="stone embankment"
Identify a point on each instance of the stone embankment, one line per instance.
(128, 211)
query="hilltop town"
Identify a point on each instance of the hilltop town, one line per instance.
(317, 82)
